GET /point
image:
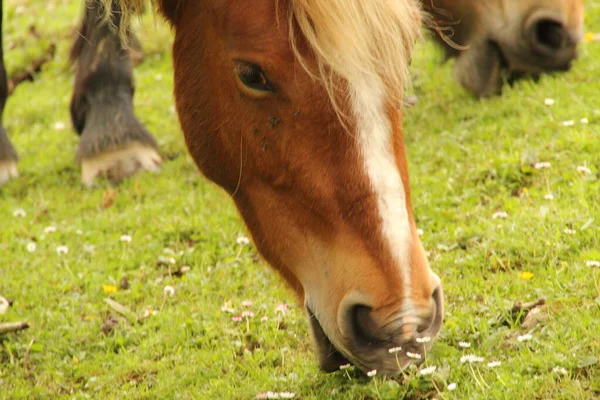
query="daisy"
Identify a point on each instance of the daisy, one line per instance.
(494, 364)
(464, 345)
(592, 263)
(524, 338)
(471, 358)
(542, 165)
(424, 339)
(428, 370)
(500, 214)
(372, 373)
(414, 356)
(169, 291)
(242, 240)
(19, 213)
(452, 386)
(31, 247)
(62, 250)
(126, 238)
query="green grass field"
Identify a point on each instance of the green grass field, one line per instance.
(469, 160)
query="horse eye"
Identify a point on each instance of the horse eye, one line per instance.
(253, 77)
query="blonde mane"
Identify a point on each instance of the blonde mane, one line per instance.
(371, 37)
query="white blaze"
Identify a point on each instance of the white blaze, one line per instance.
(374, 136)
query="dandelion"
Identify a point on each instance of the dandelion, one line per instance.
(428, 370)
(109, 289)
(236, 318)
(464, 345)
(589, 37)
(281, 308)
(242, 240)
(19, 213)
(247, 314)
(452, 386)
(560, 370)
(372, 373)
(31, 247)
(549, 196)
(414, 356)
(500, 215)
(424, 339)
(247, 303)
(592, 263)
(584, 121)
(524, 338)
(583, 170)
(169, 291)
(125, 238)
(345, 366)
(394, 350)
(471, 358)
(549, 102)
(542, 165)
(50, 229)
(525, 275)
(62, 250)
(494, 364)
(568, 123)
(569, 231)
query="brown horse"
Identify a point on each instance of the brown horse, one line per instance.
(497, 40)
(292, 107)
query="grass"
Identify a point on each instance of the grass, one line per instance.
(468, 158)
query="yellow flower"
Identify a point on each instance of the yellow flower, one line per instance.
(589, 37)
(526, 275)
(109, 288)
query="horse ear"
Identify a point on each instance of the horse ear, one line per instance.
(171, 9)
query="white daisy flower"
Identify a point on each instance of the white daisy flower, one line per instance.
(549, 102)
(500, 215)
(50, 229)
(471, 358)
(242, 240)
(247, 303)
(169, 291)
(560, 370)
(584, 121)
(31, 247)
(464, 345)
(452, 386)
(126, 238)
(592, 263)
(568, 123)
(583, 170)
(549, 196)
(372, 373)
(424, 339)
(19, 213)
(428, 370)
(494, 364)
(524, 338)
(542, 165)
(395, 349)
(414, 356)
(345, 366)
(62, 250)
(569, 231)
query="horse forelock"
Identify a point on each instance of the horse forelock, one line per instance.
(354, 37)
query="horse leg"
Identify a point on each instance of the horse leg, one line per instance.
(114, 143)
(8, 155)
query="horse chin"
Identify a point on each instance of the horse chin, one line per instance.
(330, 358)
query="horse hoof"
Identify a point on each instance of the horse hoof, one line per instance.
(8, 170)
(116, 165)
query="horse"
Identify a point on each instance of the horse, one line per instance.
(293, 108)
(502, 40)
(114, 143)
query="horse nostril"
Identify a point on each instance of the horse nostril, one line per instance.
(364, 328)
(549, 35)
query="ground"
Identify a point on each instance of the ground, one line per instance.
(505, 190)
